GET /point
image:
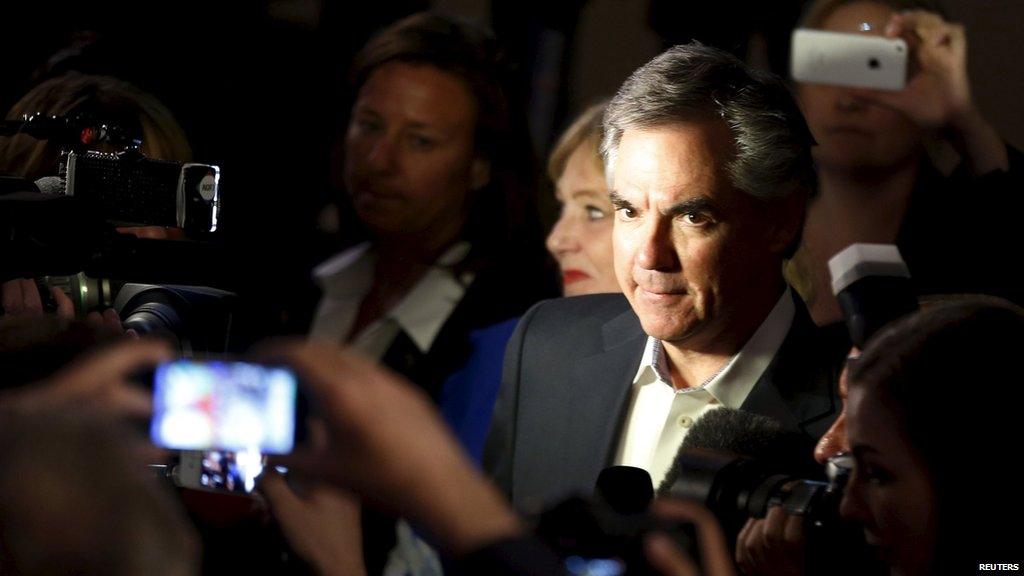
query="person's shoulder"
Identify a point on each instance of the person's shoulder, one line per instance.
(580, 325)
(588, 311)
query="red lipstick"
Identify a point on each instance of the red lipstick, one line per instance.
(570, 276)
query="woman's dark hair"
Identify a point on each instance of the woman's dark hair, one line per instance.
(503, 214)
(951, 375)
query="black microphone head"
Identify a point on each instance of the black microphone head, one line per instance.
(735, 431)
(625, 489)
(741, 433)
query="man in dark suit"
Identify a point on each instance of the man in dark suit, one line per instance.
(710, 170)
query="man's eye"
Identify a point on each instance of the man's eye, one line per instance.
(595, 213)
(696, 218)
(625, 213)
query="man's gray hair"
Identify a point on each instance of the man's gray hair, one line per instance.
(693, 82)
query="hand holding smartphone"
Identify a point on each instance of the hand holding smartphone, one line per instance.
(842, 59)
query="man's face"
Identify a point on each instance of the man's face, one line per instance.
(696, 257)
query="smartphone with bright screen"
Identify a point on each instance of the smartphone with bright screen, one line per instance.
(224, 405)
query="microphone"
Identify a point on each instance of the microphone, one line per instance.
(625, 489)
(873, 286)
(741, 433)
(51, 185)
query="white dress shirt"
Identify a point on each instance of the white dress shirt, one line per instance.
(347, 278)
(660, 416)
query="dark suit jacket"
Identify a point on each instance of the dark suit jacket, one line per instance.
(567, 383)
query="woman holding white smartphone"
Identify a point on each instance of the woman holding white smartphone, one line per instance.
(878, 182)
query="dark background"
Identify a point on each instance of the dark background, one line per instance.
(259, 86)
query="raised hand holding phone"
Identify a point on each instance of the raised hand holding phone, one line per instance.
(843, 59)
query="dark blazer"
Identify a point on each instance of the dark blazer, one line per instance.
(567, 382)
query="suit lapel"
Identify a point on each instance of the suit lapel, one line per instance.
(765, 399)
(796, 388)
(600, 390)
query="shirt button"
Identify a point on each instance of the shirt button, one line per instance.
(685, 422)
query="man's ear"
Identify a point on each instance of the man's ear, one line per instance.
(479, 173)
(788, 215)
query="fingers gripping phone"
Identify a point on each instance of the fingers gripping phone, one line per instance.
(841, 59)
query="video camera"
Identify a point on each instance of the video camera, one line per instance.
(63, 231)
(124, 187)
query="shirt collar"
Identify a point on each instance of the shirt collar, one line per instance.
(653, 364)
(422, 312)
(347, 274)
(734, 382)
(426, 307)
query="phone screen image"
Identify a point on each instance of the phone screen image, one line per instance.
(223, 405)
(230, 471)
(579, 566)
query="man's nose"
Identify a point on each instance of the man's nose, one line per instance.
(656, 250)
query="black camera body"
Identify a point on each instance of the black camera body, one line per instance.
(736, 488)
(61, 230)
(128, 189)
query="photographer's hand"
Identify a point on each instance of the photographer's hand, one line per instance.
(388, 444)
(100, 381)
(773, 545)
(109, 320)
(65, 307)
(322, 526)
(938, 90)
(21, 297)
(665, 556)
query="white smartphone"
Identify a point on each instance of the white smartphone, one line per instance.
(841, 59)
